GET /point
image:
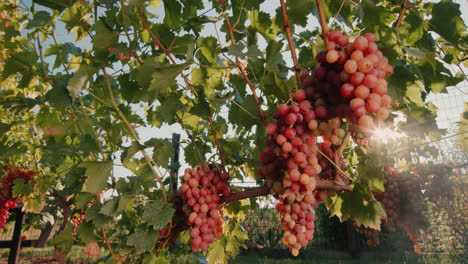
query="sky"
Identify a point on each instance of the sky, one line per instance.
(450, 105)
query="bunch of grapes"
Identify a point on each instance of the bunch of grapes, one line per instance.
(391, 197)
(291, 163)
(349, 83)
(76, 221)
(7, 200)
(372, 235)
(203, 189)
(412, 205)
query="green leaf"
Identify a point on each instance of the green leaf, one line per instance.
(40, 18)
(370, 170)
(125, 203)
(163, 151)
(399, 82)
(83, 199)
(245, 114)
(104, 36)
(65, 240)
(217, 253)
(412, 28)
(97, 173)
(375, 16)
(4, 128)
(209, 48)
(58, 96)
(21, 187)
(79, 79)
(109, 208)
(158, 214)
(447, 22)
(195, 152)
(142, 240)
(85, 232)
(344, 9)
(274, 57)
(157, 78)
(169, 107)
(59, 5)
(261, 22)
(355, 206)
(298, 11)
(74, 179)
(172, 12)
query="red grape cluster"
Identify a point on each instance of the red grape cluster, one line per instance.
(76, 221)
(391, 197)
(7, 200)
(202, 189)
(349, 83)
(291, 163)
(372, 235)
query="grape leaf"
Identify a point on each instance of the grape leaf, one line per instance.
(298, 11)
(158, 214)
(374, 16)
(446, 21)
(97, 173)
(356, 206)
(245, 114)
(64, 240)
(371, 170)
(172, 12)
(58, 96)
(217, 253)
(109, 207)
(79, 79)
(82, 200)
(85, 232)
(40, 18)
(142, 240)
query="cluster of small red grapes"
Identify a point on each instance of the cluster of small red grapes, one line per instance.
(391, 197)
(202, 189)
(291, 163)
(7, 200)
(372, 235)
(76, 221)
(349, 83)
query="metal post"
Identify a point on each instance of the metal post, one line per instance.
(13, 258)
(175, 161)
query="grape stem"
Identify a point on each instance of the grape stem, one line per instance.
(287, 30)
(157, 43)
(243, 73)
(339, 152)
(323, 21)
(334, 164)
(264, 190)
(220, 150)
(404, 6)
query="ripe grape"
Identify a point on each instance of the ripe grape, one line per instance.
(7, 199)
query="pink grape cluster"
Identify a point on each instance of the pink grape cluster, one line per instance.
(349, 83)
(7, 200)
(291, 164)
(203, 188)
